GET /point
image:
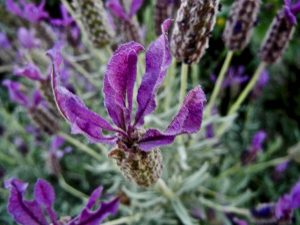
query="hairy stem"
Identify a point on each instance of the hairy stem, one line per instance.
(169, 85)
(124, 220)
(236, 105)
(219, 82)
(183, 81)
(68, 188)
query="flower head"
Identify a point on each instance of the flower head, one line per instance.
(4, 42)
(118, 86)
(40, 210)
(29, 11)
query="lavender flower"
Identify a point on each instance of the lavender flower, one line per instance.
(282, 211)
(261, 83)
(126, 26)
(29, 11)
(65, 21)
(27, 38)
(40, 210)
(280, 33)
(136, 150)
(256, 146)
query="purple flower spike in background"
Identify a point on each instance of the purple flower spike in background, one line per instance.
(4, 42)
(40, 210)
(27, 10)
(134, 145)
(27, 38)
(256, 146)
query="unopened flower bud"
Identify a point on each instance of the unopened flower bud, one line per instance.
(193, 26)
(277, 38)
(94, 20)
(240, 23)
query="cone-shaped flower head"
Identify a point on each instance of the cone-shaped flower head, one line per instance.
(239, 25)
(93, 18)
(280, 33)
(194, 23)
(137, 150)
(40, 210)
(126, 27)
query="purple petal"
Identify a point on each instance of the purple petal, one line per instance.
(66, 19)
(119, 82)
(15, 93)
(13, 8)
(296, 8)
(283, 208)
(30, 71)
(35, 13)
(258, 139)
(155, 138)
(94, 197)
(158, 59)
(189, 118)
(117, 9)
(82, 119)
(89, 217)
(37, 98)
(23, 212)
(57, 142)
(4, 42)
(290, 15)
(44, 193)
(27, 38)
(295, 195)
(135, 6)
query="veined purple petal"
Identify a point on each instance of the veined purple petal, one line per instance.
(30, 71)
(89, 217)
(135, 6)
(189, 118)
(15, 93)
(158, 59)
(117, 9)
(155, 138)
(290, 15)
(44, 193)
(296, 8)
(119, 82)
(23, 212)
(74, 110)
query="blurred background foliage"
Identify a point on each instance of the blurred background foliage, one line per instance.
(276, 110)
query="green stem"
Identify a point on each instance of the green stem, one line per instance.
(219, 82)
(126, 220)
(165, 189)
(81, 146)
(195, 74)
(169, 85)
(236, 169)
(247, 89)
(70, 189)
(224, 209)
(183, 81)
